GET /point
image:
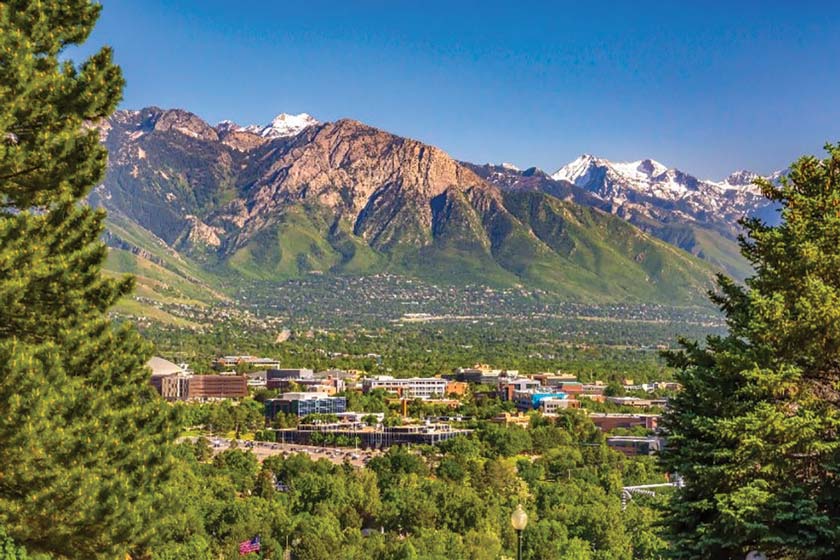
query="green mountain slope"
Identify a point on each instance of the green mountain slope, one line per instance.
(600, 253)
(163, 277)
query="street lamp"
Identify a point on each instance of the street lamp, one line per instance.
(519, 519)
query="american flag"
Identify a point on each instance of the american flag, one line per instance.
(247, 547)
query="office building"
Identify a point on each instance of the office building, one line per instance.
(304, 404)
(412, 387)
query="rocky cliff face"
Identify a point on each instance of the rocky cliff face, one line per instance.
(363, 175)
(346, 197)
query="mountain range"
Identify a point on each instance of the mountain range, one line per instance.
(192, 207)
(698, 216)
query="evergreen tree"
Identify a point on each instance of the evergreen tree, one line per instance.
(754, 433)
(85, 445)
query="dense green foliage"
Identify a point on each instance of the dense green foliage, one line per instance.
(754, 434)
(224, 417)
(85, 445)
(446, 503)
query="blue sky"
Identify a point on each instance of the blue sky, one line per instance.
(708, 88)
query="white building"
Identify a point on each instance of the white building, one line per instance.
(412, 387)
(524, 384)
(552, 405)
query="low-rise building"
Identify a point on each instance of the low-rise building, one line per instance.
(458, 388)
(552, 405)
(211, 387)
(256, 379)
(509, 387)
(596, 388)
(636, 402)
(162, 369)
(290, 373)
(330, 387)
(654, 386)
(568, 387)
(333, 384)
(204, 387)
(304, 404)
(292, 379)
(482, 374)
(533, 401)
(360, 417)
(523, 384)
(175, 387)
(348, 376)
(228, 362)
(411, 387)
(372, 437)
(176, 383)
(552, 379)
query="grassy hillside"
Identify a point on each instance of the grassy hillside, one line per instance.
(305, 240)
(703, 242)
(163, 277)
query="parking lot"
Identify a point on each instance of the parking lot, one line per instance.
(263, 449)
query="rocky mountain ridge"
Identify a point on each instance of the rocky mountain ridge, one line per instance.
(346, 198)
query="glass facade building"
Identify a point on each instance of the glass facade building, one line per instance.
(304, 404)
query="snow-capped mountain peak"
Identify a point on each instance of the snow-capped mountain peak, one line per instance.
(650, 167)
(288, 125)
(646, 175)
(283, 125)
(577, 170)
(650, 188)
(227, 126)
(510, 166)
(741, 178)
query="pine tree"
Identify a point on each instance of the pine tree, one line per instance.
(755, 433)
(84, 445)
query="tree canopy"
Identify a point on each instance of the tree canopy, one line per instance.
(85, 454)
(754, 433)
